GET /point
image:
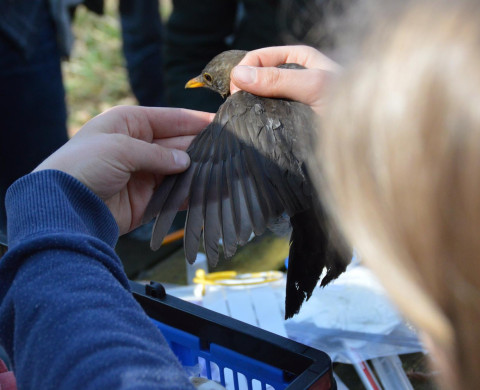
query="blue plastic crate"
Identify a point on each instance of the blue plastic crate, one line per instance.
(232, 352)
(215, 362)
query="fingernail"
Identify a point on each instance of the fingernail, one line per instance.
(181, 158)
(245, 74)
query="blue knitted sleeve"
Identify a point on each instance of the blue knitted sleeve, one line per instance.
(67, 318)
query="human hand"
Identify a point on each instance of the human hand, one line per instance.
(123, 155)
(257, 73)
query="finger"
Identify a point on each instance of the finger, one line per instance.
(303, 85)
(147, 123)
(171, 122)
(143, 156)
(274, 56)
(182, 142)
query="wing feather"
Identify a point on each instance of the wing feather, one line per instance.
(172, 203)
(243, 176)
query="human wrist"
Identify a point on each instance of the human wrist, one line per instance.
(51, 201)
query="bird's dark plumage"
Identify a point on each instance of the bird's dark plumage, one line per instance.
(248, 168)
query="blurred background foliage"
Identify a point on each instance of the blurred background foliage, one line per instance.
(95, 76)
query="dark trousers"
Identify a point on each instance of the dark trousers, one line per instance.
(32, 104)
(142, 47)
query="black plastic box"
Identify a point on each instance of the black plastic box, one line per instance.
(251, 356)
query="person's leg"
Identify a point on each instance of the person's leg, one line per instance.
(32, 103)
(142, 48)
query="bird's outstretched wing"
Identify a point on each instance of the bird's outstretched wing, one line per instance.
(246, 170)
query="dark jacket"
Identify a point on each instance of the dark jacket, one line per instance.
(67, 318)
(198, 30)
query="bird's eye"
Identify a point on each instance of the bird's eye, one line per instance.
(207, 77)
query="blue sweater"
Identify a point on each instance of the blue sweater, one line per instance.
(67, 317)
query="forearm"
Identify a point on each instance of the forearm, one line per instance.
(66, 315)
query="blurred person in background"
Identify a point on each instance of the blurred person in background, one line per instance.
(142, 43)
(32, 97)
(142, 39)
(197, 31)
(34, 38)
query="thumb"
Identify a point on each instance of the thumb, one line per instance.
(303, 85)
(156, 158)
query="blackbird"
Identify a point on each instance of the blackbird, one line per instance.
(249, 171)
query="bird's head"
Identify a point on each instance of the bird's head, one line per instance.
(216, 75)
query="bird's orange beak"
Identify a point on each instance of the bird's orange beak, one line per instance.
(196, 82)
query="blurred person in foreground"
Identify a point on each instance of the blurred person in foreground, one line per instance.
(399, 152)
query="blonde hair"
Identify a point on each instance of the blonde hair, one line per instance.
(400, 158)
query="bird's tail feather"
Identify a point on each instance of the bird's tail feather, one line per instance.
(311, 251)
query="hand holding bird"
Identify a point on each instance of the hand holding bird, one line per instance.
(259, 74)
(124, 153)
